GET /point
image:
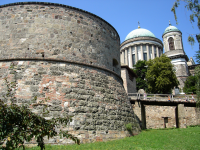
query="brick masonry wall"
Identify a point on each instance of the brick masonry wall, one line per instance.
(155, 115)
(66, 54)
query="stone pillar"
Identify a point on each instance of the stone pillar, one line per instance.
(143, 116)
(126, 56)
(130, 58)
(147, 47)
(136, 57)
(157, 52)
(181, 116)
(197, 110)
(142, 56)
(123, 57)
(153, 52)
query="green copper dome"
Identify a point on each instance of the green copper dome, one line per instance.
(171, 29)
(139, 33)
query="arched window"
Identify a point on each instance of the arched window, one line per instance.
(171, 43)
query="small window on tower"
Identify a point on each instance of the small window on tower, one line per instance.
(115, 64)
(171, 43)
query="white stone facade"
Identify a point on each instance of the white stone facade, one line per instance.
(173, 46)
(140, 48)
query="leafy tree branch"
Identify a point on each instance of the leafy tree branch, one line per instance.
(193, 7)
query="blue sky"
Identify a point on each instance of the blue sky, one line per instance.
(124, 15)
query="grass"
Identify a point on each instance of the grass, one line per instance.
(157, 139)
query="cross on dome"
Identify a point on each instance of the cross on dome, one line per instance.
(138, 24)
(169, 23)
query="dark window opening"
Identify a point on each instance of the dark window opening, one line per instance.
(133, 59)
(171, 43)
(42, 54)
(130, 76)
(115, 62)
(145, 56)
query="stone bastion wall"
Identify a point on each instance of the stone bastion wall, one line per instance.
(54, 31)
(69, 56)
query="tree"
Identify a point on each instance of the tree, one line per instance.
(140, 70)
(161, 77)
(189, 86)
(197, 74)
(194, 7)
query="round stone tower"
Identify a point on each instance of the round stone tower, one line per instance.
(173, 45)
(72, 57)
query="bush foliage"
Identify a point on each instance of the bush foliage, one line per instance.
(189, 86)
(161, 77)
(140, 69)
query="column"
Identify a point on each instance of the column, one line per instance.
(136, 57)
(142, 56)
(126, 56)
(181, 116)
(122, 61)
(153, 52)
(130, 58)
(157, 52)
(120, 56)
(147, 47)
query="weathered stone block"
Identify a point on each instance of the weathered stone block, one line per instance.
(34, 88)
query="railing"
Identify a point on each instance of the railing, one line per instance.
(161, 97)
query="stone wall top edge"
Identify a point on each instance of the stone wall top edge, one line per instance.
(60, 5)
(64, 61)
(141, 38)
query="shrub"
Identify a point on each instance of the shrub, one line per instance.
(189, 86)
(129, 128)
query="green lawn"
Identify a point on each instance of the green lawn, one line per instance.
(170, 139)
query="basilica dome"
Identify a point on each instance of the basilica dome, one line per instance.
(171, 28)
(139, 33)
(140, 44)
